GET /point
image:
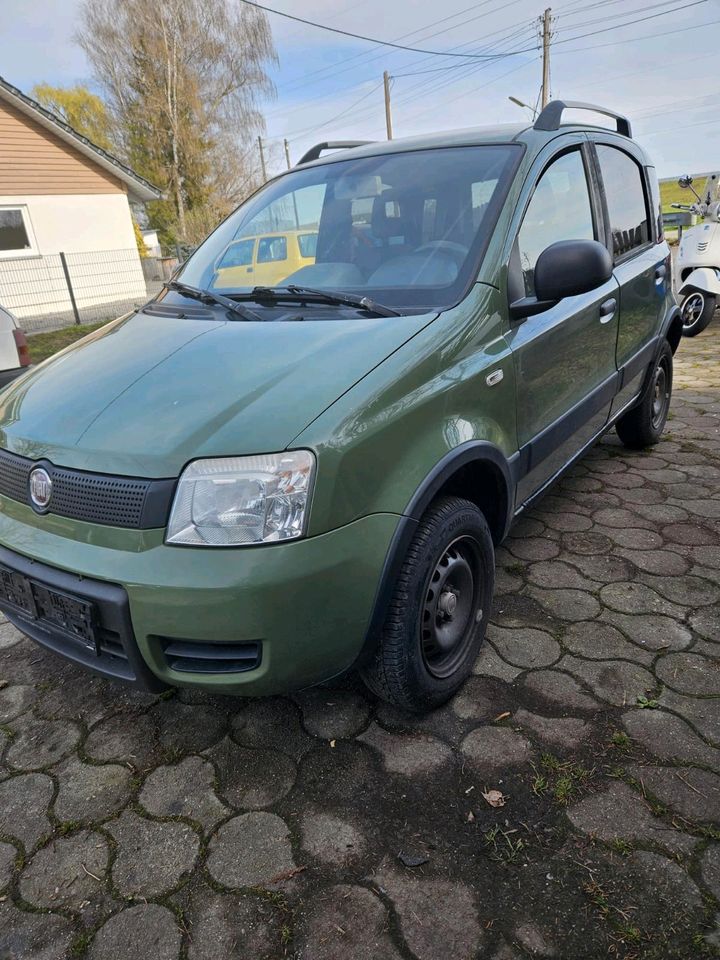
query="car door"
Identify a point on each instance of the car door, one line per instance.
(271, 261)
(640, 265)
(564, 357)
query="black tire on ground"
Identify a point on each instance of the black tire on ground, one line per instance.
(643, 425)
(438, 614)
(697, 311)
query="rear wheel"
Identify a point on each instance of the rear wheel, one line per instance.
(697, 311)
(438, 615)
(643, 425)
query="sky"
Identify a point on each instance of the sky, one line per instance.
(661, 71)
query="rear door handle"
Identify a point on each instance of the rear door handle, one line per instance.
(660, 272)
(607, 310)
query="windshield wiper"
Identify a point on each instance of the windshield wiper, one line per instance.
(316, 295)
(209, 296)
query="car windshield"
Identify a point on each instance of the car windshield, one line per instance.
(405, 229)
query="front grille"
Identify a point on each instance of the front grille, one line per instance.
(93, 497)
(197, 656)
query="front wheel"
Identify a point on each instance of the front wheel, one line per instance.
(697, 311)
(438, 615)
(643, 425)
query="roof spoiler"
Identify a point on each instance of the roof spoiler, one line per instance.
(314, 152)
(551, 116)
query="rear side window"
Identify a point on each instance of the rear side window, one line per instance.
(272, 248)
(308, 244)
(559, 210)
(626, 199)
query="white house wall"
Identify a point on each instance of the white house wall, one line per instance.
(95, 232)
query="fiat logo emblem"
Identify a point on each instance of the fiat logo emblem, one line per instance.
(40, 487)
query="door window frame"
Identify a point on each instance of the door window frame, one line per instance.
(515, 283)
(32, 249)
(603, 141)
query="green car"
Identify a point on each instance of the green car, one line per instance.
(254, 489)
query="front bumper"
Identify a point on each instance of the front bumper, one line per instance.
(305, 605)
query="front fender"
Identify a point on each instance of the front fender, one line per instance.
(705, 279)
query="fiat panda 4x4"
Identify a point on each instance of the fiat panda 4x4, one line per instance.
(253, 488)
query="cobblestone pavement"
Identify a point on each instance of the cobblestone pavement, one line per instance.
(327, 826)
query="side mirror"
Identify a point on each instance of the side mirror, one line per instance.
(567, 268)
(685, 182)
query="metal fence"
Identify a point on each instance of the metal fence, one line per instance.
(48, 292)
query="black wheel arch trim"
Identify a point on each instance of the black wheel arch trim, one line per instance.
(474, 451)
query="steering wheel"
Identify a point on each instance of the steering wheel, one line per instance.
(457, 251)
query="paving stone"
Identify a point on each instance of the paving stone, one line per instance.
(8, 853)
(650, 631)
(669, 738)
(706, 622)
(492, 750)
(145, 931)
(75, 694)
(596, 640)
(567, 604)
(692, 534)
(664, 888)
(506, 582)
(251, 778)
(534, 940)
(38, 743)
(89, 792)
(615, 681)
(604, 568)
(688, 591)
(567, 522)
(638, 598)
(347, 923)
(663, 562)
(691, 792)
(272, 724)
(407, 754)
(250, 850)
(14, 700)
(151, 857)
(9, 636)
(560, 691)
(524, 648)
(559, 732)
(438, 918)
(703, 714)
(185, 789)
(489, 664)
(620, 813)
(232, 927)
(33, 936)
(58, 875)
(710, 869)
(533, 548)
(588, 543)
(333, 714)
(125, 735)
(622, 518)
(188, 729)
(24, 803)
(479, 698)
(690, 673)
(556, 574)
(332, 840)
(634, 538)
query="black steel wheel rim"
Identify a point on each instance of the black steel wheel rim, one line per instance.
(660, 394)
(692, 309)
(450, 611)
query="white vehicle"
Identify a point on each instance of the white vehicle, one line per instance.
(697, 267)
(14, 352)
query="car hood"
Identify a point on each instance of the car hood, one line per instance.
(146, 394)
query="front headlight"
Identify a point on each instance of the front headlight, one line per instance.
(238, 501)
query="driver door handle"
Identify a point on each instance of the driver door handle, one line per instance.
(660, 272)
(607, 310)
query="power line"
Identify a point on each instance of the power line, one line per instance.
(647, 36)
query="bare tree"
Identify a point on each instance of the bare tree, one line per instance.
(183, 80)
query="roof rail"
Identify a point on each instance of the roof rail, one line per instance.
(550, 117)
(314, 152)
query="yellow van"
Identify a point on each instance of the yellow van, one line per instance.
(266, 260)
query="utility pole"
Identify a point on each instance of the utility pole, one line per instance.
(287, 153)
(262, 160)
(388, 108)
(546, 22)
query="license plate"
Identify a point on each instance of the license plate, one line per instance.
(34, 600)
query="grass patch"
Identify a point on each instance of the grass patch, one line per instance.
(564, 780)
(502, 845)
(44, 345)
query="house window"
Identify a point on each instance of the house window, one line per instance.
(16, 237)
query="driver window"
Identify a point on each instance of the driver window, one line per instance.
(559, 210)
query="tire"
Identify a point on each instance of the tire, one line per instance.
(643, 425)
(438, 614)
(697, 311)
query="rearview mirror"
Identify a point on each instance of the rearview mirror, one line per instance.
(685, 182)
(567, 268)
